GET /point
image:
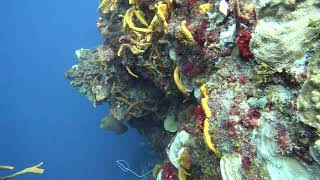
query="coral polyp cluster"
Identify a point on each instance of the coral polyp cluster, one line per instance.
(220, 89)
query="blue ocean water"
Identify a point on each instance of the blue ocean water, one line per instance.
(42, 118)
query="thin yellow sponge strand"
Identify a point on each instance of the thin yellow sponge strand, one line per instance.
(204, 101)
(186, 31)
(6, 167)
(131, 73)
(34, 169)
(140, 15)
(179, 84)
(206, 109)
(207, 138)
(102, 4)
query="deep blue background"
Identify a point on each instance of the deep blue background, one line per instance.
(42, 118)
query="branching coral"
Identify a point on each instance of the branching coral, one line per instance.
(206, 133)
(34, 169)
(178, 82)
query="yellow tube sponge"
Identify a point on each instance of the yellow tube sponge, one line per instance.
(140, 15)
(132, 1)
(34, 169)
(207, 138)
(131, 73)
(204, 101)
(162, 13)
(204, 8)
(206, 133)
(159, 21)
(128, 18)
(102, 4)
(179, 84)
(6, 167)
(106, 5)
(186, 31)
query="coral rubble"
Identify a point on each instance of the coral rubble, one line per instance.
(221, 89)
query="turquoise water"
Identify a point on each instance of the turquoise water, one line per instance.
(42, 118)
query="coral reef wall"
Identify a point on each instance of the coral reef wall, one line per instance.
(222, 89)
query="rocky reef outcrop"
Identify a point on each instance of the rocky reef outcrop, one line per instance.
(221, 89)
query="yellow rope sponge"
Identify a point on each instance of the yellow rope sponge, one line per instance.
(102, 4)
(186, 31)
(6, 167)
(159, 21)
(204, 101)
(140, 15)
(106, 7)
(128, 20)
(206, 109)
(179, 84)
(131, 73)
(207, 138)
(34, 169)
(132, 2)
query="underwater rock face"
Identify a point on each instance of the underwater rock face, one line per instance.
(220, 89)
(280, 39)
(275, 166)
(286, 168)
(309, 97)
